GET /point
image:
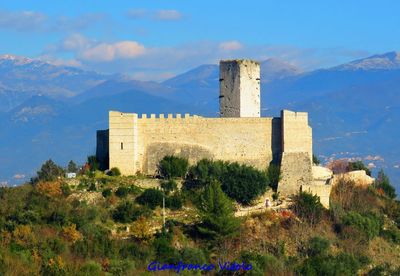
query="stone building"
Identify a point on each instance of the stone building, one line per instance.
(135, 143)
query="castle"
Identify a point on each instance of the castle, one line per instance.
(136, 143)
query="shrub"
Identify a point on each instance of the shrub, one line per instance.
(92, 187)
(216, 213)
(151, 198)
(66, 190)
(120, 267)
(358, 165)
(383, 182)
(114, 172)
(128, 212)
(308, 207)
(49, 171)
(122, 192)
(274, 176)
(173, 202)
(315, 160)
(171, 166)
(368, 224)
(106, 192)
(317, 246)
(169, 186)
(193, 256)
(240, 182)
(90, 268)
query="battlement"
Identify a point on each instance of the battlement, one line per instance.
(118, 114)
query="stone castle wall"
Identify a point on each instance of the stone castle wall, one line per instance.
(137, 144)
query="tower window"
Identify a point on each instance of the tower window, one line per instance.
(122, 146)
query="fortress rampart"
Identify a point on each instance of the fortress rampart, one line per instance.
(136, 143)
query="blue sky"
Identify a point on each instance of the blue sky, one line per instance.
(156, 39)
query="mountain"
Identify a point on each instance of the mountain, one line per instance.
(354, 108)
(22, 78)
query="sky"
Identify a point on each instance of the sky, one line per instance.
(157, 39)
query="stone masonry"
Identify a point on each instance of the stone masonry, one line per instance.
(136, 143)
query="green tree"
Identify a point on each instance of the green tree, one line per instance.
(359, 165)
(171, 166)
(49, 171)
(308, 207)
(383, 182)
(274, 176)
(93, 164)
(315, 160)
(72, 167)
(150, 198)
(216, 213)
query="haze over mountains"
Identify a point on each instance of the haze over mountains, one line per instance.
(49, 111)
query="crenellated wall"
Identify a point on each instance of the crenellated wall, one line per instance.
(146, 140)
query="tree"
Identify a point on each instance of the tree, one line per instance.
(72, 167)
(359, 165)
(383, 182)
(49, 171)
(315, 160)
(216, 213)
(274, 176)
(151, 198)
(141, 228)
(308, 207)
(93, 164)
(171, 166)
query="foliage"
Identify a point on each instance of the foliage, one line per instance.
(70, 234)
(173, 202)
(383, 182)
(368, 225)
(128, 212)
(274, 176)
(122, 191)
(114, 172)
(92, 162)
(150, 198)
(50, 189)
(171, 166)
(72, 167)
(358, 165)
(318, 246)
(49, 171)
(106, 192)
(308, 207)
(315, 160)
(169, 186)
(216, 213)
(240, 182)
(141, 228)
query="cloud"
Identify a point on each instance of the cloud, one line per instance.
(230, 45)
(109, 52)
(168, 15)
(19, 176)
(159, 15)
(32, 21)
(371, 165)
(22, 21)
(136, 13)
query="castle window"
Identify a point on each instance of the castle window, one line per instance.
(122, 146)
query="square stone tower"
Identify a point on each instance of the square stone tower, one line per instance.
(239, 88)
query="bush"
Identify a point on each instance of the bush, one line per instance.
(90, 268)
(193, 256)
(106, 192)
(358, 165)
(240, 182)
(308, 207)
(318, 246)
(150, 198)
(383, 182)
(173, 202)
(122, 192)
(315, 160)
(128, 212)
(169, 186)
(274, 176)
(369, 224)
(120, 267)
(171, 166)
(114, 172)
(49, 171)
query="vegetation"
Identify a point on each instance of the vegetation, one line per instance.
(72, 167)
(172, 166)
(57, 227)
(315, 160)
(49, 171)
(358, 165)
(240, 182)
(114, 172)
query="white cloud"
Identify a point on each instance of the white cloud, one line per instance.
(167, 15)
(110, 52)
(19, 176)
(136, 13)
(22, 20)
(230, 45)
(371, 165)
(75, 42)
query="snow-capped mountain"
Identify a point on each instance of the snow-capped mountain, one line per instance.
(387, 61)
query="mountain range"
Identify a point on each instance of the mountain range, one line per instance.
(52, 111)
